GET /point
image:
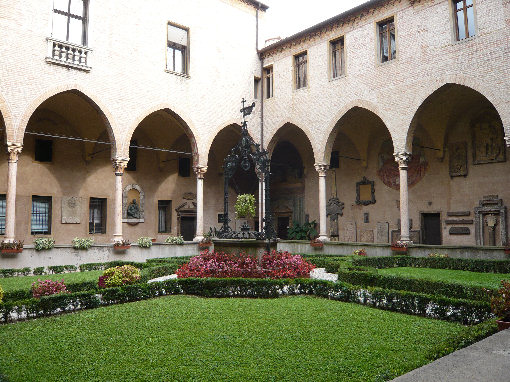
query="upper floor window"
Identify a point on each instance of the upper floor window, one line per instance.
(300, 64)
(70, 21)
(184, 167)
(337, 57)
(177, 49)
(268, 81)
(43, 151)
(256, 87)
(387, 45)
(2, 214)
(41, 215)
(133, 153)
(464, 19)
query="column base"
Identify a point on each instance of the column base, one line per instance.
(324, 238)
(198, 239)
(8, 240)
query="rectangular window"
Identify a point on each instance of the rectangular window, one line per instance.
(184, 167)
(387, 45)
(464, 19)
(97, 215)
(70, 21)
(43, 150)
(256, 87)
(41, 215)
(335, 160)
(2, 214)
(133, 152)
(300, 63)
(337, 57)
(164, 216)
(268, 81)
(177, 49)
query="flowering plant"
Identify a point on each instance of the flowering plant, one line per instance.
(274, 265)
(82, 243)
(15, 244)
(122, 243)
(118, 276)
(174, 240)
(42, 243)
(245, 206)
(47, 288)
(360, 252)
(145, 242)
(438, 255)
(500, 301)
(400, 244)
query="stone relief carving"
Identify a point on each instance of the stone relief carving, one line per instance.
(133, 204)
(71, 210)
(488, 139)
(458, 159)
(489, 215)
(334, 208)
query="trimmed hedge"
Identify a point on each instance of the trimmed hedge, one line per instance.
(331, 263)
(11, 272)
(464, 311)
(453, 290)
(473, 265)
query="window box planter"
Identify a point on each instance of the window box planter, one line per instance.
(502, 325)
(121, 248)
(10, 251)
(399, 249)
(316, 244)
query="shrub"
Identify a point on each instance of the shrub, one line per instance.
(44, 243)
(174, 240)
(145, 242)
(273, 265)
(359, 252)
(118, 276)
(245, 206)
(56, 269)
(47, 288)
(39, 271)
(305, 231)
(82, 243)
(500, 301)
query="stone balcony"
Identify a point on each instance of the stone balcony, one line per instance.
(68, 54)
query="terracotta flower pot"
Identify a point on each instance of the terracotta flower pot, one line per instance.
(204, 245)
(507, 251)
(317, 245)
(11, 251)
(121, 247)
(399, 249)
(502, 325)
(153, 240)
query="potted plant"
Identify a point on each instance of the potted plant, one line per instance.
(44, 243)
(82, 243)
(245, 208)
(121, 245)
(178, 240)
(316, 243)
(359, 252)
(206, 242)
(144, 242)
(399, 246)
(305, 231)
(15, 246)
(507, 250)
(500, 305)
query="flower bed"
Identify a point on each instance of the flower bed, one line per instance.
(273, 265)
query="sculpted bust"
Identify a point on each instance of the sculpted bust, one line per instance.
(133, 210)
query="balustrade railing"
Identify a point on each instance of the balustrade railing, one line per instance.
(68, 54)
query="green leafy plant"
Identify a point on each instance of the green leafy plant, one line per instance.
(174, 240)
(359, 252)
(145, 242)
(15, 244)
(438, 255)
(122, 243)
(118, 276)
(305, 231)
(500, 302)
(39, 271)
(82, 243)
(245, 206)
(44, 243)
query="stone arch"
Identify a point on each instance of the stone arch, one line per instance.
(85, 94)
(218, 129)
(185, 123)
(5, 114)
(427, 91)
(233, 124)
(334, 126)
(274, 138)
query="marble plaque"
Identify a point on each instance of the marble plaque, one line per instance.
(459, 231)
(366, 236)
(71, 209)
(350, 232)
(382, 232)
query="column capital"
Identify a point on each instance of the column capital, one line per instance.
(119, 165)
(321, 168)
(200, 171)
(13, 150)
(402, 158)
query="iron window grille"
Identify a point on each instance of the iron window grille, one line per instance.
(2, 214)
(41, 215)
(387, 44)
(300, 62)
(177, 49)
(70, 21)
(464, 19)
(97, 215)
(164, 216)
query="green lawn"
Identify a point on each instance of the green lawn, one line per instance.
(183, 338)
(486, 280)
(25, 282)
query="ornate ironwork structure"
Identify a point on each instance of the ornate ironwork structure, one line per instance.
(244, 155)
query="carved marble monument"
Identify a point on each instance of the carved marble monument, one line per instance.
(71, 210)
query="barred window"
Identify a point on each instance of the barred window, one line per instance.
(337, 57)
(41, 215)
(300, 63)
(164, 216)
(464, 19)
(70, 21)
(177, 49)
(97, 215)
(387, 45)
(2, 214)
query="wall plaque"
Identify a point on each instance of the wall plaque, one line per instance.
(365, 192)
(459, 231)
(382, 232)
(71, 210)
(366, 236)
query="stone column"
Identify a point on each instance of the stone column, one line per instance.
(200, 172)
(403, 158)
(119, 164)
(322, 170)
(13, 150)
